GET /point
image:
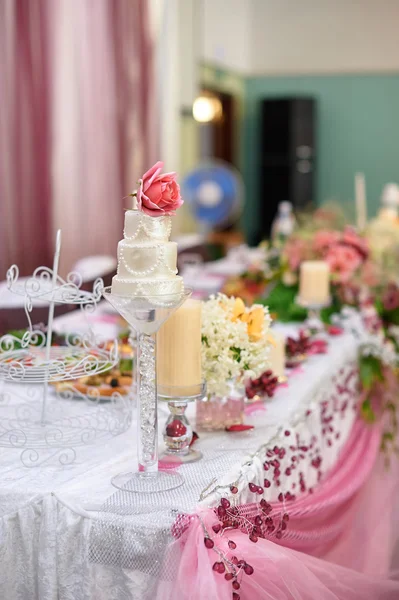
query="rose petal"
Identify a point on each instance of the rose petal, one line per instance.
(151, 175)
(239, 427)
(153, 193)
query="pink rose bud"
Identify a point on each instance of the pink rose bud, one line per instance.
(158, 194)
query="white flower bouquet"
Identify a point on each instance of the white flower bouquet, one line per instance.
(235, 342)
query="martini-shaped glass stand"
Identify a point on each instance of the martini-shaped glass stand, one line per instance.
(146, 315)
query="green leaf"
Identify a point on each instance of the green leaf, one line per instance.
(370, 371)
(236, 352)
(367, 412)
(392, 316)
(281, 301)
(204, 340)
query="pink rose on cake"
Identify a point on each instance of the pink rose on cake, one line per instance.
(158, 194)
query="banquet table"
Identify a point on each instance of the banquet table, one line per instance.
(67, 534)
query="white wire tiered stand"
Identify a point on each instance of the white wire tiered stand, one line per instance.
(146, 314)
(46, 425)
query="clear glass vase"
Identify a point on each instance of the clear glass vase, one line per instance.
(214, 412)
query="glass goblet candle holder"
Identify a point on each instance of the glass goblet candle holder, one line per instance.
(178, 432)
(314, 321)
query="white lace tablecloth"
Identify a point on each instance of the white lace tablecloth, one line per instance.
(47, 548)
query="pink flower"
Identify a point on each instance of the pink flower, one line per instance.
(370, 274)
(351, 238)
(390, 298)
(343, 261)
(348, 293)
(324, 239)
(318, 347)
(334, 330)
(158, 194)
(296, 251)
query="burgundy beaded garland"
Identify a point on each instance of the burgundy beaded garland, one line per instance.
(221, 511)
(248, 569)
(282, 466)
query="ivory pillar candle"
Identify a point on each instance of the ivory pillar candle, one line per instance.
(277, 354)
(360, 200)
(179, 347)
(314, 282)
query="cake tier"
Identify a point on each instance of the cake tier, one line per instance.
(147, 287)
(154, 261)
(142, 228)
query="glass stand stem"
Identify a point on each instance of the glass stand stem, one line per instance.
(147, 417)
(314, 315)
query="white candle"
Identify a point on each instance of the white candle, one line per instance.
(277, 354)
(360, 200)
(314, 282)
(179, 347)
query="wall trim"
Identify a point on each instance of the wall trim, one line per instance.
(299, 73)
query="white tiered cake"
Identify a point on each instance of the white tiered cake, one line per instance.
(146, 257)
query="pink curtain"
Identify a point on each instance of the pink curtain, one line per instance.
(338, 544)
(76, 124)
(102, 126)
(25, 135)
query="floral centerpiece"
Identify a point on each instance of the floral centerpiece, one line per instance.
(235, 344)
(348, 256)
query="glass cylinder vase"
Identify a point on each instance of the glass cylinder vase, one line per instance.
(215, 412)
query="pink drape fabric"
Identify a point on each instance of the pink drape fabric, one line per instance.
(103, 138)
(77, 125)
(338, 544)
(25, 136)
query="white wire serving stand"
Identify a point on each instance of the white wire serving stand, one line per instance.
(34, 417)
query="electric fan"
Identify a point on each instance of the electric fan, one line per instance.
(214, 191)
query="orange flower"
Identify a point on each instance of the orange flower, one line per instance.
(255, 323)
(254, 317)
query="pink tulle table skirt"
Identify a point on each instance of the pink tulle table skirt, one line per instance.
(338, 544)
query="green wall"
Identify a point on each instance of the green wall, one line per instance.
(357, 130)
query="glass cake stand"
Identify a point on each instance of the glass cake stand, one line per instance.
(146, 314)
